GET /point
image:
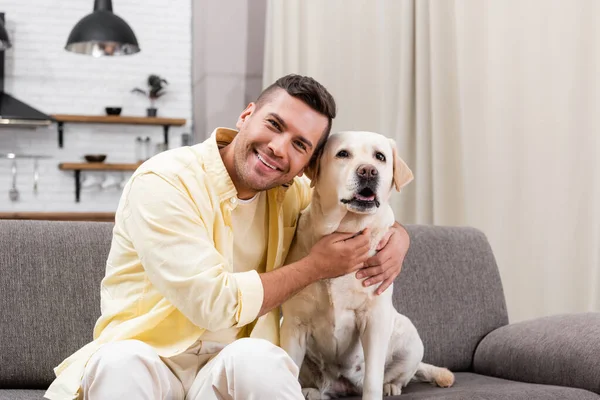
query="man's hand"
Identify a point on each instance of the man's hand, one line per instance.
(386, 265)
(338, 254)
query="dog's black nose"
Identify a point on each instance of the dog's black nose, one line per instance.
(367, 171)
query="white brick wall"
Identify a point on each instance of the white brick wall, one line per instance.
(41, 73)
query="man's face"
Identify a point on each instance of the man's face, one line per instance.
(274, 143)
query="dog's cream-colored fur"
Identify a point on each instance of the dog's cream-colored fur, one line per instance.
(345, 339)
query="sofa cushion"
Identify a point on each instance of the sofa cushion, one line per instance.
(49, 295)
(451, 290)
(558, 349)
(468, 386)
(479, 387)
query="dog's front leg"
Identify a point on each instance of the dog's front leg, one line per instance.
(376, 330)
(293, 340)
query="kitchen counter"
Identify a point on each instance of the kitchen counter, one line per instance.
(60, 216)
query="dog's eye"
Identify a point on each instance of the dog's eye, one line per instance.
(342, 154)
(379, 155)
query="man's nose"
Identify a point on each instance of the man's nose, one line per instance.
(278, 145)
(366, 171)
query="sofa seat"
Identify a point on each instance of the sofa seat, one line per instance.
(21, 394)
(470, 386)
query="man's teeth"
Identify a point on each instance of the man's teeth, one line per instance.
(266, 163)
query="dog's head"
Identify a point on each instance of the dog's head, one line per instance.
(359, 169)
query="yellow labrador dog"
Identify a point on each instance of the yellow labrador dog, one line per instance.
(345, 339)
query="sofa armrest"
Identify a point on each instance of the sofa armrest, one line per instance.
(561, 350)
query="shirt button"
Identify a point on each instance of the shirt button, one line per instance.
(232, 200)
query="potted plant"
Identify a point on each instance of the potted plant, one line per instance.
(155, 90)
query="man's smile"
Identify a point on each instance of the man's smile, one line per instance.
(267, 163)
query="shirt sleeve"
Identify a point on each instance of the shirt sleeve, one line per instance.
(177, 251)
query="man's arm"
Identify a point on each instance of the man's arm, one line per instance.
(176, 246)
(334, 255)
(180, 259)
(282, 283)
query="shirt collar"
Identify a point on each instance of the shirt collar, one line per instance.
(216, 171)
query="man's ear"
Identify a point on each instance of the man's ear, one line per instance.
(402, 174)
(244, 115)
(312, 171)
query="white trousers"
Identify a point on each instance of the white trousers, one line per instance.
(245, 369)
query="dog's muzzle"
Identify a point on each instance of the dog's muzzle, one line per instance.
(367, 181)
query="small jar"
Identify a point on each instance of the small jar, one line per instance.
(186, 139)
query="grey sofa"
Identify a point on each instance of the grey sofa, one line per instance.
(450, 287)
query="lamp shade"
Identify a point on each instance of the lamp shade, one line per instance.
(4, 39)
(102, 33)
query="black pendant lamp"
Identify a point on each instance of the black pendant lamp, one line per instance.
(4, 39)
(102, 33)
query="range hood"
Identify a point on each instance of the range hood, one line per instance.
(14, 112)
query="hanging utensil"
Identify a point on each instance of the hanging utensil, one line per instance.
(13, 193)
(36, 175)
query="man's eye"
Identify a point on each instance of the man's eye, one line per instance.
(274, 123)
(380, 156)
(301, 145)
(342, 154)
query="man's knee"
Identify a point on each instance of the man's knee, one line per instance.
(253, 350)
(254, 367)
(128, 369)
(255, 356)
(119, 357)
(261, 368)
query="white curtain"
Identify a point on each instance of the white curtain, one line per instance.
(495, 106)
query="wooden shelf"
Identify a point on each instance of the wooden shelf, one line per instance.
(118, 119)
(97, 166)
(60, 216)
(61, 119)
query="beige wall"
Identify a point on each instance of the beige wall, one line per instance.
(228, 48)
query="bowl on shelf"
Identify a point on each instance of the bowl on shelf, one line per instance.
(95, 157)
(113, 110)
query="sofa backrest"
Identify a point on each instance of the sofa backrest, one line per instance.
(50, 275)
(451, 290)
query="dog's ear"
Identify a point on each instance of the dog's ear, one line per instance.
(312, 171)
(402, 174)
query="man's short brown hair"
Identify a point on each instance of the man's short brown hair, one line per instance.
(312, 93)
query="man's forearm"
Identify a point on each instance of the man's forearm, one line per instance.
(282, 283)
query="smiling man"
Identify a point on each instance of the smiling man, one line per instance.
(195, 275)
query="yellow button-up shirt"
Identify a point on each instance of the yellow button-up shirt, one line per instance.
(169, 274)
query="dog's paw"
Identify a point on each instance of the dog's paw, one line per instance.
(389, 389)
(312, 394)
(444, 378)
